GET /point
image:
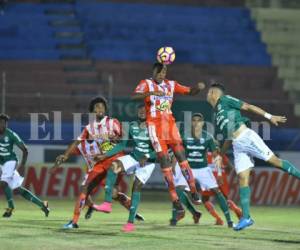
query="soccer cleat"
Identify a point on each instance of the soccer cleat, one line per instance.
(219, 222)
(105, 207)
(129, 227)
(45, 208)
(196, 198)
(139, 217)
(179, 210)
(70, 225)
(89, 213)
(8, 212)
(173, 222)
(196, 217)
(243, 223)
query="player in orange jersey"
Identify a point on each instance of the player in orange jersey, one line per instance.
(158, 94)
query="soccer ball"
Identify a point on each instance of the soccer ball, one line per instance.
(166, 55)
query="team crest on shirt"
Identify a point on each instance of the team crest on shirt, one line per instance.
(202, 140)
(6, 139)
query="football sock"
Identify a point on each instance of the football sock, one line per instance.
(210, 208)
(188, 175)
(135, 200)
(124, 200)
(79, 205)
(234, 208)
(290, 168)
(245, 201)
(168, 174)
(30, 196)
(109, 184)
(185, 201)
(224, 206)
(9, 197)
(174, 213)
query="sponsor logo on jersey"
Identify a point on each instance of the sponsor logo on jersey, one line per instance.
(163, 106)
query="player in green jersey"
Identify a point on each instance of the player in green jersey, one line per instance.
(197, 145)
(10, 178)
(138, 162)
(246, 143)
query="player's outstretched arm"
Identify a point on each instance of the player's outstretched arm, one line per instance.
(197, 88)
(274, 119)
(65, 156)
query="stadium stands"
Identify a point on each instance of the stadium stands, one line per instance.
(279, 28)
(64, 52)
(228, 38)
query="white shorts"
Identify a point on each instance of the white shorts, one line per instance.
(10, 175)
(131, 166)
(205, 177)
(179, 179)
(247, 145)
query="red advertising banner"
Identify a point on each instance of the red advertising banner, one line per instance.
(268, 185)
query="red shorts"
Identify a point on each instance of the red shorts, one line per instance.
(224, 187)
(100, 170)
(163, 134)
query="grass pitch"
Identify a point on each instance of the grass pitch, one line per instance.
(275, 228)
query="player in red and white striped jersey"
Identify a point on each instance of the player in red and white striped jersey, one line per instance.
(158, 93)
(105, 133)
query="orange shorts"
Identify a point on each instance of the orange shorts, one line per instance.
(164, 134)
(100, 170)
(224, 187)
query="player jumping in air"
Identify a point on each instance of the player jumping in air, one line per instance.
(246, 143)
(137, 162)
(196, 147)
(158, 94)
(10, 178)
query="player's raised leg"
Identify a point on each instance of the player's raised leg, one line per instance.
(285, 165)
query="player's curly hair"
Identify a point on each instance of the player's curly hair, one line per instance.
(158, 67)
(98, 99)
(4, 117)
(219, 86)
